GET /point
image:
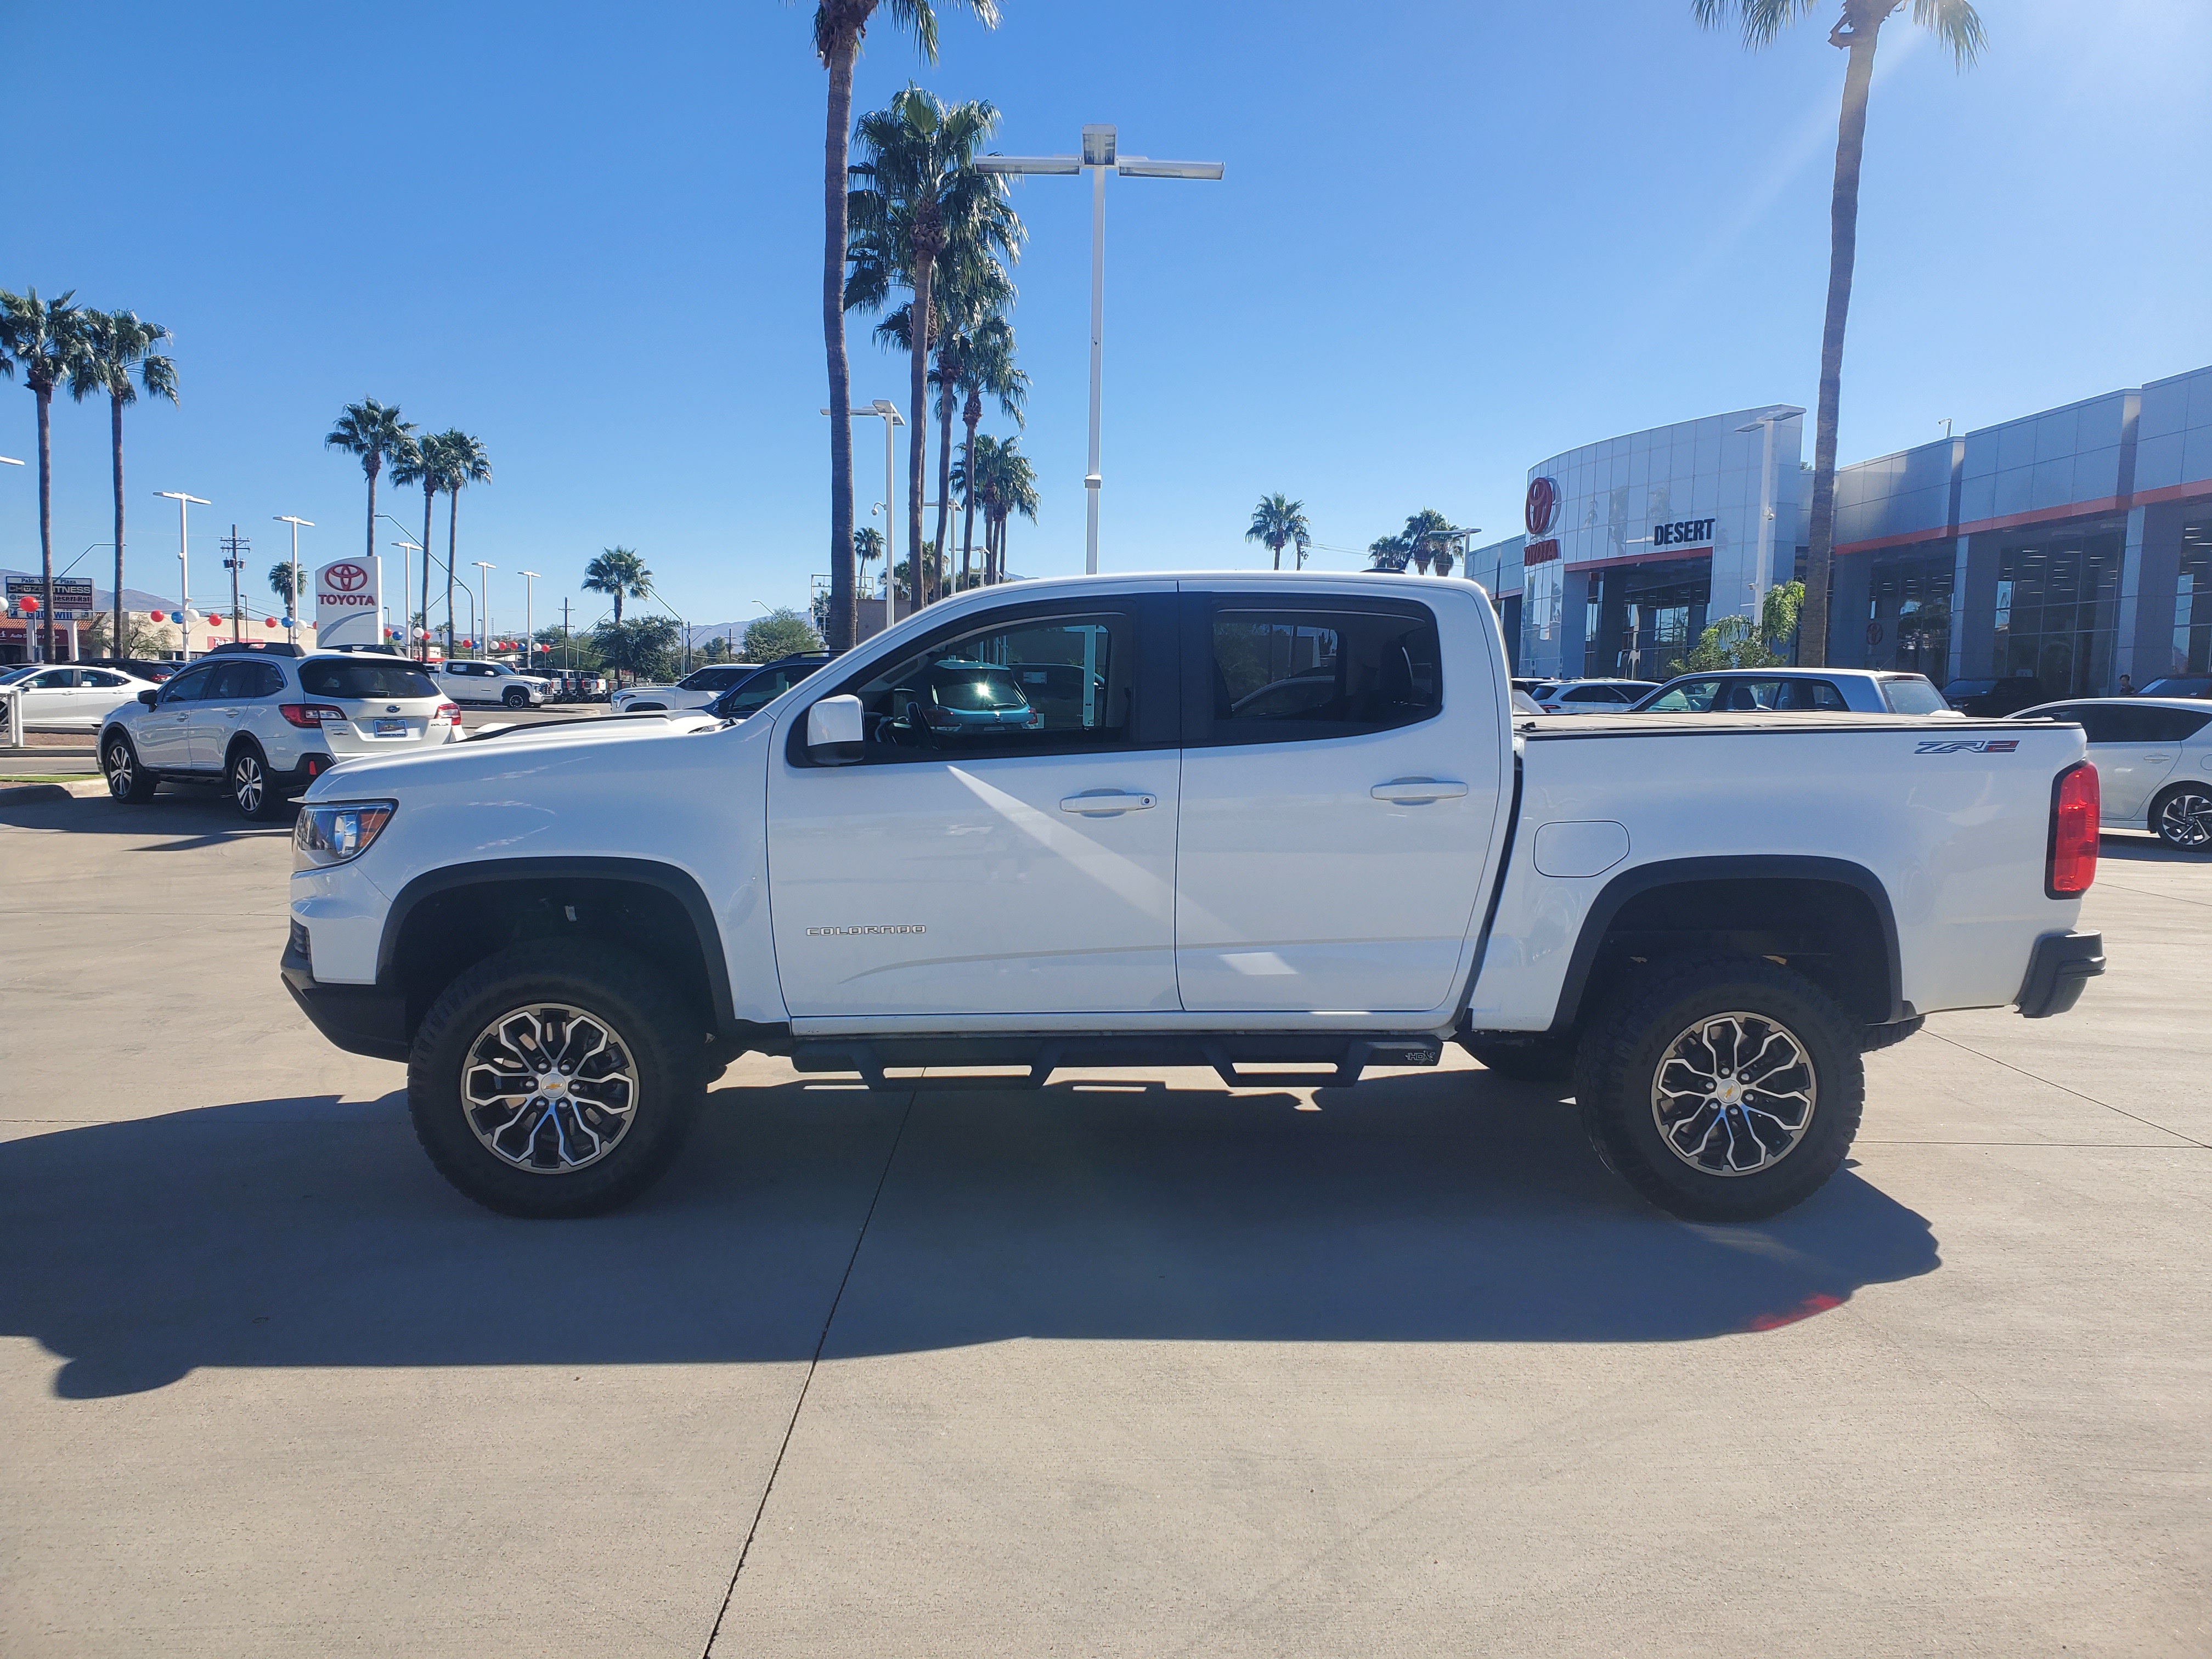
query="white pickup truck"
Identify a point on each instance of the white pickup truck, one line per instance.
(1218, 820)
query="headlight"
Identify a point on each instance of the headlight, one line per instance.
(332, 834)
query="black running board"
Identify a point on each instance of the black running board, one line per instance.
(1330, 1061)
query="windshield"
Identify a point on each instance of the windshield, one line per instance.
(15, 674)
(1913, 693)
(364, 679)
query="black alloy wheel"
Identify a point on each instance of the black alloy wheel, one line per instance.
(2183, 818)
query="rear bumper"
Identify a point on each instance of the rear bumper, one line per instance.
(2058, 968)
(361, 1019)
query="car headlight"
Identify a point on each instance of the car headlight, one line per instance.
(333, 834)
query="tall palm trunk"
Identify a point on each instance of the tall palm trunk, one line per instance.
(45, 397)
(970, 415)
(1859, 31)
(842, 49)
(372, 465)
(429, 495)
(917, 426)
(115, 442)
(943, 476)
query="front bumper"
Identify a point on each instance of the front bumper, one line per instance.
(2058, 968)
(361, 1019)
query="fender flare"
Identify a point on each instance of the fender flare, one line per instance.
(1763, 866)
(679, 884)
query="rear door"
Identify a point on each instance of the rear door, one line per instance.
(2131, 757)
(1331, 850)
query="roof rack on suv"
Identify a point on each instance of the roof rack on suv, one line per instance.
(254, 648)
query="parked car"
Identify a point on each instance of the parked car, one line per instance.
(694, 690)
(1594, 696)
(71, 697)
(2179, 685)
(1797, 691)
(764, 684)
(462, 680)
(1163, 881)
(1993, 699)
(267, 726)
(2154, 761)
(152, 669)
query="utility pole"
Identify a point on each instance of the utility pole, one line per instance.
(568, 642)
(235, 548)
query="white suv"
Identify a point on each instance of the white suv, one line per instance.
(266, 725)
(694, 690)
(490, 681)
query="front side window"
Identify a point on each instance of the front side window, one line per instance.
(190, 686)
(54, 679)
(971, 694)
(1286, 677)
(1690, 697)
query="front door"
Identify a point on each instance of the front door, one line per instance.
(2131, 760)
(993, 852)
(163, 738)
(1341, 786)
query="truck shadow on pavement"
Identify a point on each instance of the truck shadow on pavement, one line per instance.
(194, 815)
(1448, 1208)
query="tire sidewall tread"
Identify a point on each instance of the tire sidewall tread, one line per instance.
(661, 1027)
(1619, 1051)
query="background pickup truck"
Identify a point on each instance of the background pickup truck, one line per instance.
(1177, 820)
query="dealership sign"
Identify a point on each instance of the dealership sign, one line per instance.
(1687, 532)
(1541, 507)
(350, 602)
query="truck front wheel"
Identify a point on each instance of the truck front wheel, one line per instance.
(556, 1091)
(1726, 1088)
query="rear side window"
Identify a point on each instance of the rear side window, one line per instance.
(1291, 676)
(1913, 693)
(326, 678)
(2174, 724)
(1822, 697)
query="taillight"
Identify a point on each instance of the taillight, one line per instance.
(2071, 864)
(448, 711)
(312, 716)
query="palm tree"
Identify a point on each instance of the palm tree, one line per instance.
(1009, 486)
(1389, 554)
(1424, 538)
(116, 341)
(1858, 30)
(1278, 521)
(427, 467)
(374, 433)
(919, 195)
(47, 338)
(280, 584)
(618, 573)
(839, 26)
(462, 461)
(868, 544)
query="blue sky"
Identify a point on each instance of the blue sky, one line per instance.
(1452, 240)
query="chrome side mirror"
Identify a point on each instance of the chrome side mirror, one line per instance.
(834, 732)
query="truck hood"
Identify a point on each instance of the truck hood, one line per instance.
(590, 755)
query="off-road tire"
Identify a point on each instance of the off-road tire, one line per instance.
(2176, 817)
(660, 1027)
(1874, 1037)
(1540, 1059)
(252, 792)
(1623, 1046)
(128, 779)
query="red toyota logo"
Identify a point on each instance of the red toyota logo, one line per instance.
(347, 577)
(1542, 506)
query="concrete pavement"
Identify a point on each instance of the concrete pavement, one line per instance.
(1134, 1366)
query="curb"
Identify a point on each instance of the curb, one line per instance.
(22, 795)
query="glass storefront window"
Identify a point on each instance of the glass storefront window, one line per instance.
(1645, 618)
(1909, 614)
(2192, 603)
(2057, 613)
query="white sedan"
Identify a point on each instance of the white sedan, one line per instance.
(64, 699)
(2154, 761)
(695, 690)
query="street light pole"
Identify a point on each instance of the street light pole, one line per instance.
(407, 616)
(885, 408)
(1099, 156)
(483, 602)
(184, 505)
(292, 609)
(529, 639)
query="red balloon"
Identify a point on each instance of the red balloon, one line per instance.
(269, 621)
(157, 615)
(28, 603)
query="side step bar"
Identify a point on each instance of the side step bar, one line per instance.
(1333, 1061)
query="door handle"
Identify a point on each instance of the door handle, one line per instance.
(1417, 789)
(2158, 757)
(1105, 802)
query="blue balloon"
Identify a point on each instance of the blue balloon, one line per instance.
(289, 623)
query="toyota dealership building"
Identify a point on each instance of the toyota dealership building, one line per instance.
(2071, 544)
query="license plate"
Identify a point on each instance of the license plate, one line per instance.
(390, 729)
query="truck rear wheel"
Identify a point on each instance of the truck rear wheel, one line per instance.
(1726, 1088)
(556, 1091)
